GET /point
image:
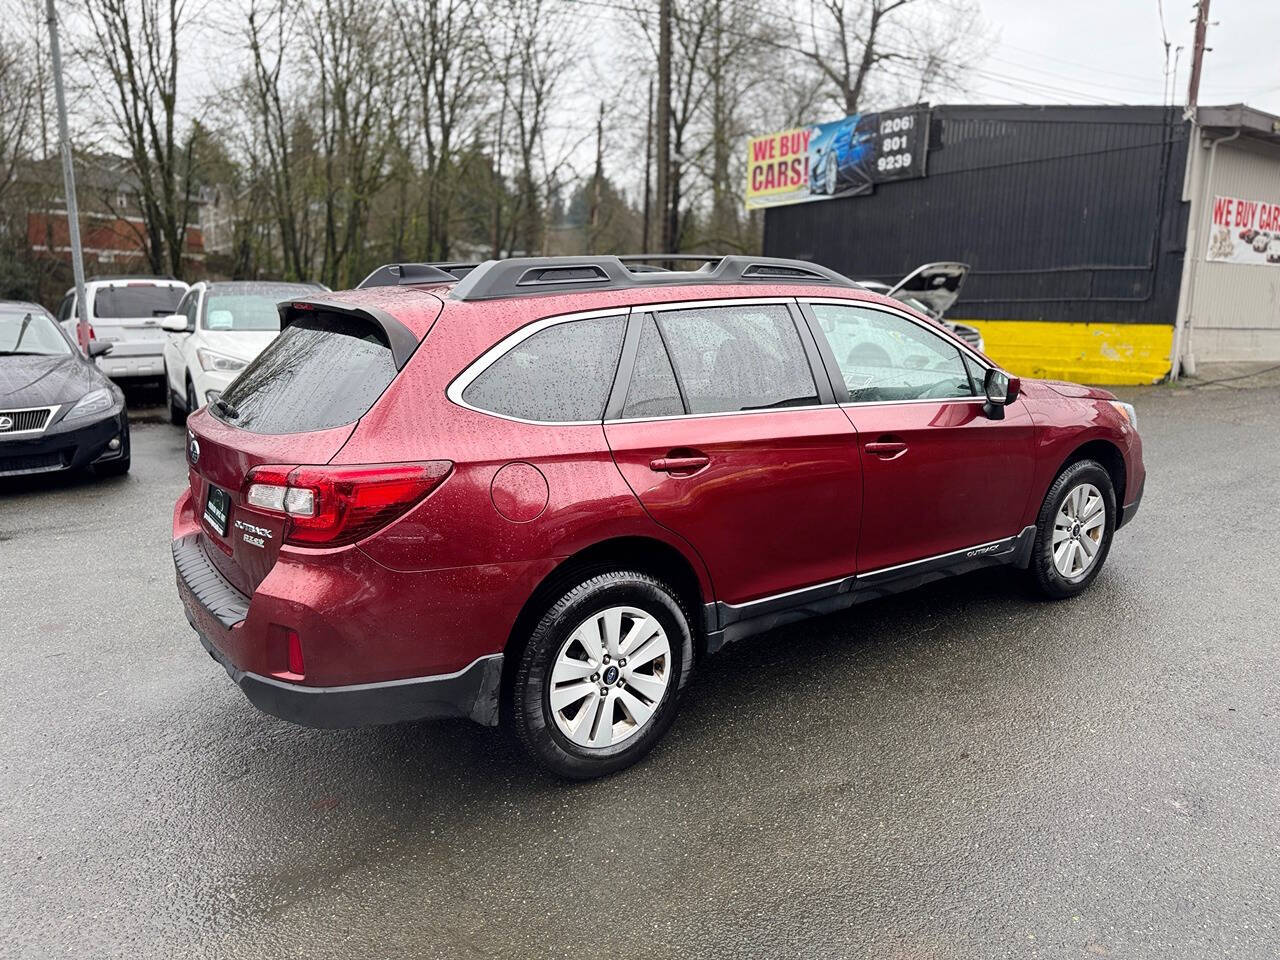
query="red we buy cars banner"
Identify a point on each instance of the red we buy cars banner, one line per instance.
(1244, 231)
(778, 168)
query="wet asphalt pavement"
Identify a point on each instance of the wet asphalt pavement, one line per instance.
(958, 772)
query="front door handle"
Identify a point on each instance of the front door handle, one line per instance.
(887, 449)
(678, 464)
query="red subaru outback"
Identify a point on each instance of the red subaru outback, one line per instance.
(539, 490)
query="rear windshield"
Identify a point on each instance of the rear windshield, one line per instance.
(118, 303)
(322, 371)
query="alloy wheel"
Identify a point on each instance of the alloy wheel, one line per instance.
(609, 676)
(1078, 529)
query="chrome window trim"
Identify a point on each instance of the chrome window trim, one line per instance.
(24, 433)
(926, 325)
(723, 302)
(478, 366)
(723, 413)
(483, 362)
(665, 307)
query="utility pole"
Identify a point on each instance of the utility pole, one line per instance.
(68, 179)
(1197, 56)
(663, 204)
(648, 169)
(597, 182)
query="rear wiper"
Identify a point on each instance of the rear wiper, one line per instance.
(228, 411)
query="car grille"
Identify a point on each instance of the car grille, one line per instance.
(24, 421)
(969, 335)
(33, 463)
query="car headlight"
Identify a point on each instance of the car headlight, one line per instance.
(218, 361)
(95, 401)
(1127, 411)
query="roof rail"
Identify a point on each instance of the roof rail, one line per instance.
(525, 276)
(394, 274)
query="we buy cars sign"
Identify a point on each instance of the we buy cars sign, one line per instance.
(839, 158)
(1244, 231)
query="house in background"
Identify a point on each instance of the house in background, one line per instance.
(112, 231)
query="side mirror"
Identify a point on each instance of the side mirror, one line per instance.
(99, 348)
(1001, 390)
(175, 323)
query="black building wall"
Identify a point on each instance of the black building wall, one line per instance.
(1063, 213)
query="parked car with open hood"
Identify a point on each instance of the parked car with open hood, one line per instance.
(216, 329)
(126, 313)
(932, 289)
(58, 411)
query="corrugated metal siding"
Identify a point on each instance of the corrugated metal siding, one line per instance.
(1064, 213)
(1235, 313)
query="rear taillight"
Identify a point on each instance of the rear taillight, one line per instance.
(332, 505)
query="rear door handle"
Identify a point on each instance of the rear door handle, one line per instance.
(887, 449)
(678, 464)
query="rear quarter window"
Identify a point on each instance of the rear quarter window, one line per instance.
(322, 371)
(562, 374)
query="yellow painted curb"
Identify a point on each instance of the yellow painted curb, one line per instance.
(1115, 354)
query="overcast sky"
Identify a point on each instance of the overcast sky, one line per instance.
(1110, 51)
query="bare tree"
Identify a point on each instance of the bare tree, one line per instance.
(18, 99)
(277, 149)
(357, 116)
(530, 55)
(446, 66)
(133, 49)
(927, 44)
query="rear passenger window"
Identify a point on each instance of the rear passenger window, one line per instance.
(562, 374)
(738, 358)
(653, 391)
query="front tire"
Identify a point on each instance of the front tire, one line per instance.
(597, 684)
(177, 408)
(1074, 530)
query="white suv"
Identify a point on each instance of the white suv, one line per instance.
(126, 312)
(213, 334)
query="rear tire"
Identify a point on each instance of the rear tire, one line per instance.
(580, 648)
(1073, 530)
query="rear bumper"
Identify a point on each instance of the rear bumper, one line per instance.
(124, 367)
(220, 616)
(472, 692)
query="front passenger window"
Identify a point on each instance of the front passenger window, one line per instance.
(884, 357)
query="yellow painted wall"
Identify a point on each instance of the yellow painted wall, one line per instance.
(1103, 353)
